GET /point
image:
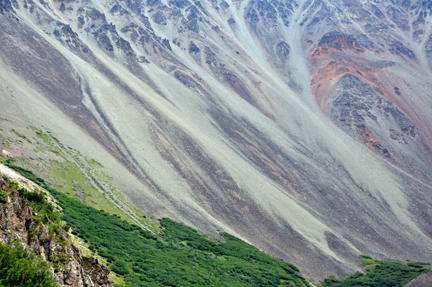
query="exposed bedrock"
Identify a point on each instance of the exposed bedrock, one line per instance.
(340, 56)
(5, 6)
(366, 114)
(18, 222)
(339, 41)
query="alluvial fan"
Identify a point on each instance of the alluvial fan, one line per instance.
(303, 127)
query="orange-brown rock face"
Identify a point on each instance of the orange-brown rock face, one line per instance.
(355, 80)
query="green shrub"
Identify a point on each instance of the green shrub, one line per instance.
(20, 268)
(40, 204)
(3, 196)
(380, 274)
(417, 264)
(66, 228)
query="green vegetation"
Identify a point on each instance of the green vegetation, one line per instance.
(45, 139)
(180, 256)
(44, 210)
(20, 268)
(82, 178)
(74, 174)
(380, 274)
(36, 199)
(3, 196)
(177, 256)
(6, 142)
(70, 179)
(21, 136)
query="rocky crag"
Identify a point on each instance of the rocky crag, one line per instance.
(18, 221)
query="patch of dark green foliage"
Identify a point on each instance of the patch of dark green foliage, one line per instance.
(178, 256)
(24, 172)
(21, 268)
(3, 196)
(380, 274)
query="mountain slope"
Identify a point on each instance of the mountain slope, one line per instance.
(302, 127)
(171, 254)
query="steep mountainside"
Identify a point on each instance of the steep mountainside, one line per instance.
(173, 254)
(303, 127)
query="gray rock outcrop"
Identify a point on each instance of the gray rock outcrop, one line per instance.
(68, 266)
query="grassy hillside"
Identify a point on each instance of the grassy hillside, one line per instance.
(380, 274)
(176, 256)
(69, 171)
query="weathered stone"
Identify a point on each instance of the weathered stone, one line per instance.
(16, 221)
(398, 48)
(340, 41)
(180, 3)
(5, 6)
(193, 48)
(192, 26)
(282, 50)
(159, 18)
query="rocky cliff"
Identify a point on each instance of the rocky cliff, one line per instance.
(18, 221)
